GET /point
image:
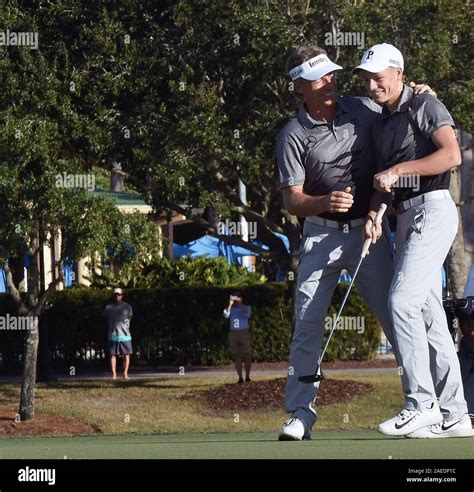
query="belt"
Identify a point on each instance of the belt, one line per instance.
(334, 224)
(420, 199)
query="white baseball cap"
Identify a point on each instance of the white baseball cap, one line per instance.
(380, 57)
(315, 68)
(118, 290)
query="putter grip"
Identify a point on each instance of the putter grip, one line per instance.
(378, 220)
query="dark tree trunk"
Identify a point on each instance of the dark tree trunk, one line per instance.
(27, 396)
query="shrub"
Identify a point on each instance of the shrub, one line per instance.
(201, 271)
(185, 325)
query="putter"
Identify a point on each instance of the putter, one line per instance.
(318, 376)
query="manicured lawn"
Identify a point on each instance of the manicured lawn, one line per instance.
(341, 444)
(146, 418)
(154, 405)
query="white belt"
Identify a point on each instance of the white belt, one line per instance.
(420, 199)
(334, 224)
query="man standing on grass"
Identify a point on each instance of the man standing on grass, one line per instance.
(118, 316)
(239, 336)
(415, 139)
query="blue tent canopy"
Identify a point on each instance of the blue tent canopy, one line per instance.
(179, 251)
(212, 247)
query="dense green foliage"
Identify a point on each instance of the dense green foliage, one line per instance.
(184, 325)
(191, 95)
(162, 273)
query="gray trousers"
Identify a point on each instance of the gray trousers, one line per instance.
(425, 349)
(324, 252)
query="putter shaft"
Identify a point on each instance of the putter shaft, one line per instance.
(313, 378)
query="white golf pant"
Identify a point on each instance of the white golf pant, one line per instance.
(324, 252)
(427, 354)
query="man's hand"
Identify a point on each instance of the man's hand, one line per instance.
(372, 231)
(339, 201)
(422, 88)
(383, 181)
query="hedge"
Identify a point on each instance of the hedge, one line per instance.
(182, 326)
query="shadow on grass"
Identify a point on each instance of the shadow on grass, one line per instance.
(118, 383)
(109, 385)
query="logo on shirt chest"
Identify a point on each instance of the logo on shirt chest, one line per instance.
(310, 141)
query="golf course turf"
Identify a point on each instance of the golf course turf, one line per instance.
(326, 444)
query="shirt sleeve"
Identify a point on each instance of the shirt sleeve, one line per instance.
(432, 115)
(226, 313)
(130, 310)
(290, 165)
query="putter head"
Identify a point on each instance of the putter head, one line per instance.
(312, 378)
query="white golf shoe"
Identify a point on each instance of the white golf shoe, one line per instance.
(448, 428)
(408, 421)
(293, 430)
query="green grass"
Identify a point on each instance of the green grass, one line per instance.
(361, 444)
(144, 418)
(153, 405)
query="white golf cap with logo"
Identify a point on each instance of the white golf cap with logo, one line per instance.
(380, 57)
(314, 69)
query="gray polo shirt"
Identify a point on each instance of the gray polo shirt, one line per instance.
(117, 316)
(325, 157)
(405, 135)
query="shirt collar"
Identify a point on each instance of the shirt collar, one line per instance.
(403, 103)
(309, 122)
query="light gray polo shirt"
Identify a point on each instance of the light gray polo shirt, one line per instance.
(325, 157)
(405, 135)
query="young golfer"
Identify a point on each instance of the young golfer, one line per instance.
(415, 139)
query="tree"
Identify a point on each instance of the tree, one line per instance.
(215, 117)
(44, 163)
(191, 96)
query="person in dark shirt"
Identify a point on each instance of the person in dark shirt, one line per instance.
(118, 316)
(414, 140)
